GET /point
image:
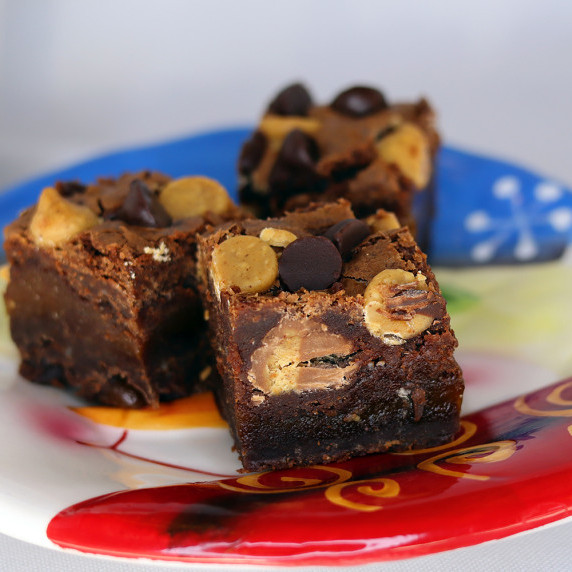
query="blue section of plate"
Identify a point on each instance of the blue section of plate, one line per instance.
(491, 211)
(488, 211)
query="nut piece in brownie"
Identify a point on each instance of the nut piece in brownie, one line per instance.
(360, 147)
(331, 337)
(102, 294)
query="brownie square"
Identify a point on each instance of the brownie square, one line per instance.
(359, 147)
(102, 295)
(331, 337)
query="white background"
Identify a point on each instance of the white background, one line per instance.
(78, 78)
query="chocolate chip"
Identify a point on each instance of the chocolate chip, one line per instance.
(359, 101)
(141, 208)
(119, 393)
(252, 153)
(295, 165)
(310, 262)
(292, 100)
(67, 189)
(347, 234)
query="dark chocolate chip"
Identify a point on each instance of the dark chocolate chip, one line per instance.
(67, 189)
(310, 262)
(141, 208)
(119, 393)
(292, 100)
(359, 101)
(295, 165)
(347, 234)
(252, 153)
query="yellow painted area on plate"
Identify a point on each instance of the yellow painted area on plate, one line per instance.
(190, 412)
(522, 311)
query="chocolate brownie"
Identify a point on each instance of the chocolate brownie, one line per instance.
(102, 294)
(360, 147)
(331, 336)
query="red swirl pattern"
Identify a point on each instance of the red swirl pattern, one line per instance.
(469, 491)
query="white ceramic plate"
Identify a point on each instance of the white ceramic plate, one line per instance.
(512, 321)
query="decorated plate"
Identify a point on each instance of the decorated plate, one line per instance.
(164, 484)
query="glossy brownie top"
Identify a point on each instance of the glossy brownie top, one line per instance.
(322, 252)
(126, 217)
